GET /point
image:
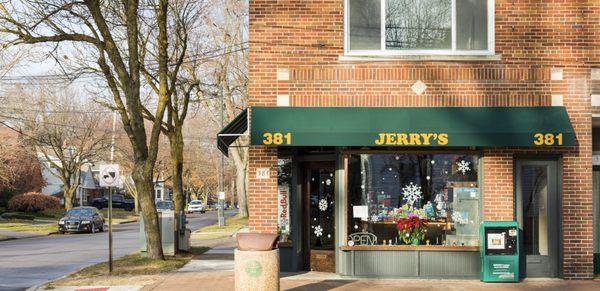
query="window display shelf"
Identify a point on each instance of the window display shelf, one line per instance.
(437, 248)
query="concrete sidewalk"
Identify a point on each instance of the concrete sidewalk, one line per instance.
(183, 281)
(213, 270)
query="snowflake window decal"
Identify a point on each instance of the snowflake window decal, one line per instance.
(323, 205)
(463, 167)
(318, 231)
(374, 218)
(411, 193)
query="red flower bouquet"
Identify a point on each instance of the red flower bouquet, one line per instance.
(411, 229)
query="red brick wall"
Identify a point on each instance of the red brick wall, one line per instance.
(262, 193)
(498, 186)
(532, 37)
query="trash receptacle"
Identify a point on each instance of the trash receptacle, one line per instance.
(256, 262)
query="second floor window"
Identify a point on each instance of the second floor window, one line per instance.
(419, 26)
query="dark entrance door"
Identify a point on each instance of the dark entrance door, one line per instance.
(319, 222)
(538, 216)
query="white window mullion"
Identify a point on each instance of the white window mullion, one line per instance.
(382, 46)
(453, 25)
(346, 27)
(491, 27)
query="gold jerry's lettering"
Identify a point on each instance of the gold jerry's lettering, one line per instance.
(412, 139)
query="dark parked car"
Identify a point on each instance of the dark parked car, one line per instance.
(81, 219)
(164, 205)
(119, 201)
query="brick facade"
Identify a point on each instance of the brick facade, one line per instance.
(532, 37)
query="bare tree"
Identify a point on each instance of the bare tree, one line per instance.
(20, 170)
(107, 36)
(230, 80)
(65, 131)
(130, 187)
(184, 21)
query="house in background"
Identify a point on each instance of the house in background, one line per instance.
(89, 187)
(53, 185)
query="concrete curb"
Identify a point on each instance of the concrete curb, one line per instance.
(8, 238)
(128, 221)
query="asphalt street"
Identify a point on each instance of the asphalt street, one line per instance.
(29, 262)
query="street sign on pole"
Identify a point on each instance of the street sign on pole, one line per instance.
(109, 177)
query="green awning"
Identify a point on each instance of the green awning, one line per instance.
(232, 131)
(411, 126)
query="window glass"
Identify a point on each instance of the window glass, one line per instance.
(418, 24)
(284, 182)
(391, 193)
(365, 24)
(471, 24)
(322, 209)
(535, 211)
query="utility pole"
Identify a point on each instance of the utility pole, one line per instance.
(187, 192)
(221, 196)
(110, 194)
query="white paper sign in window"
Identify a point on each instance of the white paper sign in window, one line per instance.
(360, 211)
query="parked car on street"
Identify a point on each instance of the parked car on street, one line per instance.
(164, 205)
(118, 201)
(196, 206)
(81, 219)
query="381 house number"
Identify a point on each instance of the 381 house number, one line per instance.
(547, 139)
(277, 138)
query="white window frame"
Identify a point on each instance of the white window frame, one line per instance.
(383, 52)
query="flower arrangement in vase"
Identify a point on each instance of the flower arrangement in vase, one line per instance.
(411, 224)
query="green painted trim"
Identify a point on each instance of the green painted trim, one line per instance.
(430, 126)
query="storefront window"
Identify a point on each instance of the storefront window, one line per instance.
(427, 199)
(284, 182)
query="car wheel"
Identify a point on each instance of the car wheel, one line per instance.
(61, 232)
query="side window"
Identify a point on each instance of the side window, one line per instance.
(419, 26)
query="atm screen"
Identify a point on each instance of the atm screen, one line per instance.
(501, 241)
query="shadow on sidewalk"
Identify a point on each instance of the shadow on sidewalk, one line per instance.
(320, 285)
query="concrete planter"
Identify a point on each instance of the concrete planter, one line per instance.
(257, 270)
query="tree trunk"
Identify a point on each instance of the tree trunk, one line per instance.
(240, 180)
(142, 175)
(176, 147)
(136, 203)
(69, 197)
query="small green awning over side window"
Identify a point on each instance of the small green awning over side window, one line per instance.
(232, 131)
(412, 126)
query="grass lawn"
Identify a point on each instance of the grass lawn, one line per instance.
(27, 226)
(127, 267)
(233, 223)
(120, 215)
